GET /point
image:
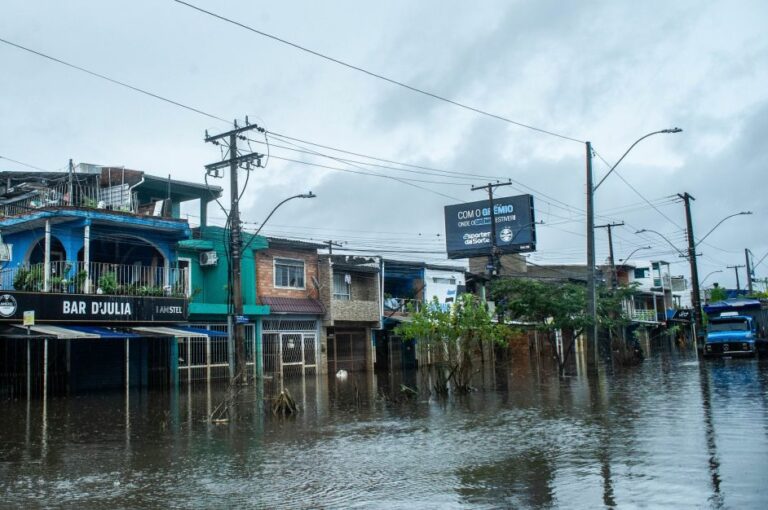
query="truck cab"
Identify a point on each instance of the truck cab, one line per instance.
(731, 334)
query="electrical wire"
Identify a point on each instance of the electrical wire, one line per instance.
(24, 164)
(112, 80)
(635, 190)
(376, 75)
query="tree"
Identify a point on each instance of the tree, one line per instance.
(553, 306)
(454, 330)
(718, 294)
(548, 306)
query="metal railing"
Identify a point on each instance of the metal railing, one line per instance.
(401, 305)
(208, 358)
(643, 315)
(116, 198)
(96, 278)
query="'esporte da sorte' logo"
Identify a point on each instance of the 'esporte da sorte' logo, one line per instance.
(8, 305)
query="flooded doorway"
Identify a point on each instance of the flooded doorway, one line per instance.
(290, 347)
(348, 350)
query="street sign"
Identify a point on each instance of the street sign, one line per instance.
(242, 319)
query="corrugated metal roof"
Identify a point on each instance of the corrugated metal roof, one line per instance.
(293, 305)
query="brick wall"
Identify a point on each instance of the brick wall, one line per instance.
(265, 278)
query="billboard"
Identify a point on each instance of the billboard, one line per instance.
(468, 227)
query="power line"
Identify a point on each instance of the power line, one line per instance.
(523, 188)
(636, 191)
(436, 173)
(375, 158)
(24, 164)
(346, 170)
(376, 75)
(111, 80)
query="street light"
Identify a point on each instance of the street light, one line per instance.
(301, 195)
(663, 131)
(691, 256)
(701, 283)
(663, 237)
(591, 294)
(629, 257)
(235, 343)
(742, 213)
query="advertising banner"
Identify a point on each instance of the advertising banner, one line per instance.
(468, 227)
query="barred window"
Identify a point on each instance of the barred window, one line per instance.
(289, 273)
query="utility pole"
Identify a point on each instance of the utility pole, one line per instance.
(331, 244)
(695, 292)
(609, 226)
(493, 256)
(736, 270)
(591, 292)
(235, 308)
(747, 254)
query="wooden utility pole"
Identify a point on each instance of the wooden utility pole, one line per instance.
(736, 271)
(331, 244)
(695, 292)
(609, 226)
(748, 262)
(493, 255)
(235, 161)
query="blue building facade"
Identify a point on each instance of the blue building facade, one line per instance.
(88, 258)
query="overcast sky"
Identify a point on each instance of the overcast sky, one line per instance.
(608, 72)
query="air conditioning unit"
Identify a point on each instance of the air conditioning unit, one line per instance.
(209, 258)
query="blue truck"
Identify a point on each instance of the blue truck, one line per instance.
(736, 327)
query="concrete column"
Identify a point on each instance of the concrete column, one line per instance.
(87, 257)
(173, 364)
(29, 368)
(207, 357)
(166, 273)
(45, 369)
(127, 365)
(47, 258)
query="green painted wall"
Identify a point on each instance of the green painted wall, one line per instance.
(209, 283)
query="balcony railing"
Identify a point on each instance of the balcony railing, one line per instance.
(643, 315)
(116, 198)
(96, 278)
(401, 305)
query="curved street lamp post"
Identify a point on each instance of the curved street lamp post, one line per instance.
(708, 275)
(629, 257)
(591, 291)
(236, 346)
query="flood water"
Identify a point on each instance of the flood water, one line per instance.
(671, 432)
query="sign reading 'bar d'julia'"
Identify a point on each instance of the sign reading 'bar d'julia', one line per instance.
(91, 308)
(468, 227)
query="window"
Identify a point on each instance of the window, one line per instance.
(642, 272)
(184, 276)
(289, 273)
(447, 281)
(342, 284)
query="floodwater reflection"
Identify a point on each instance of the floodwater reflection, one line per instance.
(671, 432)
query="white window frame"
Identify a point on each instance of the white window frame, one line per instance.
(303, 277)
(188, 277)
(336, 295)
